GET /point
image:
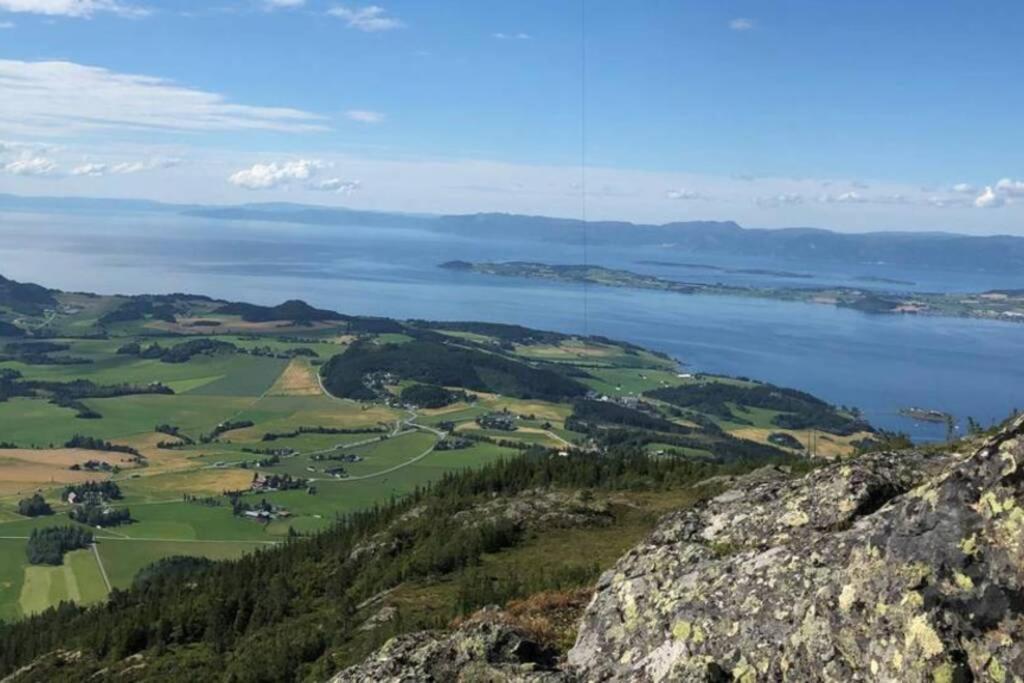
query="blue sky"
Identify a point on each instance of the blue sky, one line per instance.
(855, 115)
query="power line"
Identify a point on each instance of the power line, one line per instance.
(583, 165)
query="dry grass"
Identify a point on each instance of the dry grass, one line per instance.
(828, 445)
(542, 410)
(23, 470)
(550, 618)
(200, 481)
(298, 379)
(567, 350)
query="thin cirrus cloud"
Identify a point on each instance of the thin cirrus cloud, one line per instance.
(80, 9)
(125, 167)
(299, 173)
(684, 194)
(364, 116)
(31, 165)
(741, 24)
(370, 19)
(337, 185)
(512, 36)
(59, 98)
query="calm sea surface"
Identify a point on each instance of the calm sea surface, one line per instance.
(878, 363)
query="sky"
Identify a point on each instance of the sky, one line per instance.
(845, 115)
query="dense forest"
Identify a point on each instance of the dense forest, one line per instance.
(294, 310)
(27, 298)
(431, 396)
(588, 414)
(47, 546)
(434, 362)
(800, 409)
(283, 613)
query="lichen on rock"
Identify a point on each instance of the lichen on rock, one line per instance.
(890, 567)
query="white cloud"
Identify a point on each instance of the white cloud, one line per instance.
(988, 199)
(30, 165)
(94, 170)
(283, 4)
(512, 36)
(964, 188)
(268, 176)
(60, 98)
(70, 8)
(684, 194)
(1010, 188)
(784, 199)
(364, 116)
(125, 167)
(371, 18)
(741, 24)
(337, 185)
(844, 198)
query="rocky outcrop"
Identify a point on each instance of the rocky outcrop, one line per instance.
(482, 650)
(533, 510)
(892, 567)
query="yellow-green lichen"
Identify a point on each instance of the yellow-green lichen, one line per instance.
(682, 630)
(963, 581)
(919, 632)
(943, 673)
(847, 597)
(996, 671)
(794, 518)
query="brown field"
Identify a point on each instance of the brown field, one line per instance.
(23, 470)
(200, 481)
(541, 409)
(298, 379)
(327, 412)
(568, 350)
(829, 445)
(159, 459)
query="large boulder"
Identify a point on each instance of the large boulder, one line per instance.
(890, 567)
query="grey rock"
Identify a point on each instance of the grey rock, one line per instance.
(891, 567)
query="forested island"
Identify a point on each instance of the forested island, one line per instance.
(1003, 305)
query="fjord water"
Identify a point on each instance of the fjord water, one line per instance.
(877, 363)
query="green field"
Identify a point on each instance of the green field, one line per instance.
(77, 580)
(179, 497)
(123, 559)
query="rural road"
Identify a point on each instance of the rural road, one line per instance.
(103, 570)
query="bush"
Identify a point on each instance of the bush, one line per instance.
(36, 506)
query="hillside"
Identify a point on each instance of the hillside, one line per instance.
(895, 566)
(333, 480)
(187, 426)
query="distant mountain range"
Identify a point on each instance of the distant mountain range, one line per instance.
(917, 249)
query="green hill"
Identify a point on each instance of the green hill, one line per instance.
(444, 364)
